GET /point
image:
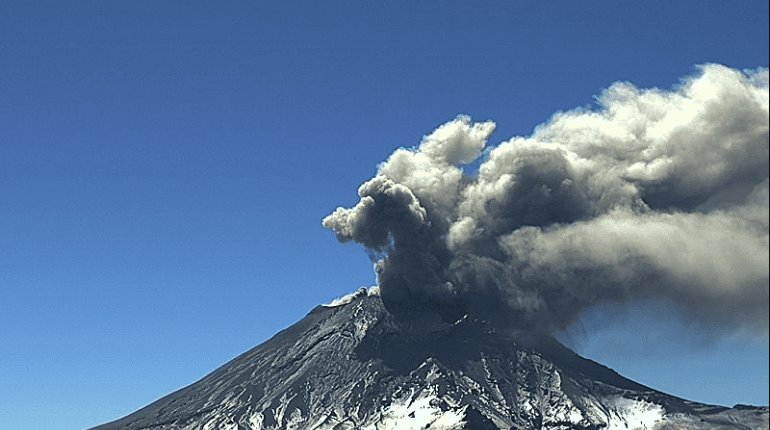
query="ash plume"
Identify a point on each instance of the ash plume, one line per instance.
(653, 194)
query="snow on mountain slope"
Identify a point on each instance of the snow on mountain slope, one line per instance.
(349, 365)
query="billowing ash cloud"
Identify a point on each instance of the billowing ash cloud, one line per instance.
(655, 194)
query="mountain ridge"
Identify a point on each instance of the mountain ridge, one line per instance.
(351, 365)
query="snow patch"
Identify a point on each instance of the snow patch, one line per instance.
(361, 292)
(629, 414)
(255, 420)
(417, 413)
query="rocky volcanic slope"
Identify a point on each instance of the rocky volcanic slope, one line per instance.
(350, 366)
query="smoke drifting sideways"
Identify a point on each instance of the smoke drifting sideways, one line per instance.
(654, 194)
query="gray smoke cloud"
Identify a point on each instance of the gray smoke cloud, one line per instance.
(654, 194)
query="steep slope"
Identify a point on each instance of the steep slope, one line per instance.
(352, 366)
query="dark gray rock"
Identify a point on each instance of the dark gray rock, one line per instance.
(353, 366)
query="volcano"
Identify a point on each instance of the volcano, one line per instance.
(352, 365)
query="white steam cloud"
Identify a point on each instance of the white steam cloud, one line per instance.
(655, 194)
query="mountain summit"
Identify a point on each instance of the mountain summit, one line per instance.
(351, 365)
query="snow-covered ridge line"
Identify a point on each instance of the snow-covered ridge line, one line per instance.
(361, 292)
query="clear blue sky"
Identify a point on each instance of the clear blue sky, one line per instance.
(164, 168)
